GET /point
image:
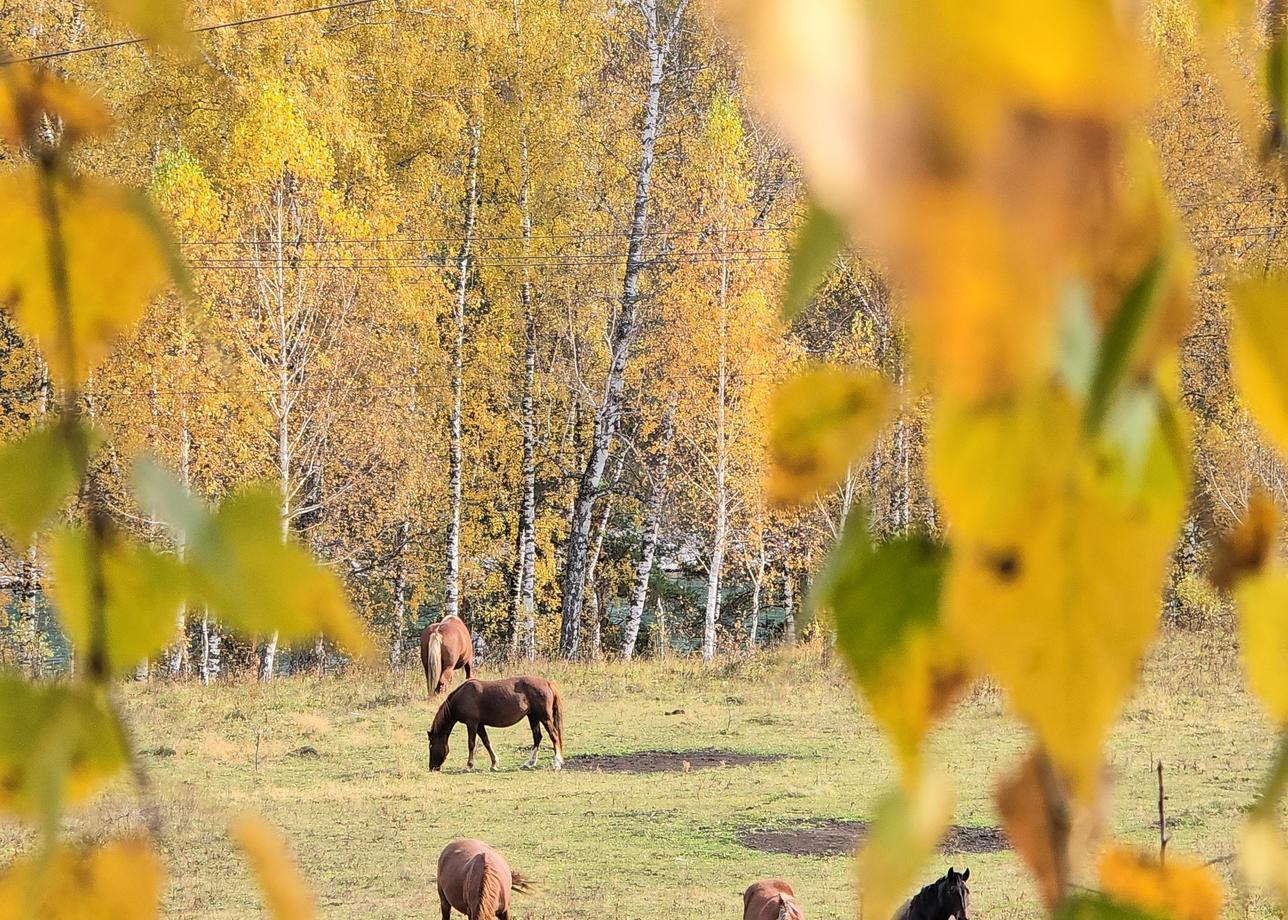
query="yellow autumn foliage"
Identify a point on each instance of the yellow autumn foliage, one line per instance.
(121, 879)
(286, 895)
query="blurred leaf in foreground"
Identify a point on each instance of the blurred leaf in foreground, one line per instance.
(1263, 857)
(56, 743)
(1098, 907)
(37, 474)
(1180, 889)
(114, 262)
(286, 894)
(1246, 548)
(121, 879)
(1059, 555)
(143, 591)
(162, 22)
(907, 827)
(823, 420)
(240, 566)
(1259, 362)
(28, 94)
(814, 252)
(1262, 600)
(885, 598)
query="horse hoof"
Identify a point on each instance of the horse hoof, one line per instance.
(495, 768)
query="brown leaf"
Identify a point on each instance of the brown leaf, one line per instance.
(1245, 548)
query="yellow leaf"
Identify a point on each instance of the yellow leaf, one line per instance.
(37, 474)
(904, 833)
(27, 95)
(823, 421)
(56, 743)
(121, 879)
(1262, 600)
(1259, 363)
(285, 892)
(113, 259)
(162, 22)
(1179, 889)
(1060, 548)
(1263, 857)
(143, 591)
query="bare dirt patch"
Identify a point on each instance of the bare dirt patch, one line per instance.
(666, 761)
(839, 838)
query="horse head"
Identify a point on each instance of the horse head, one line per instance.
(437, 749)
(954, 896)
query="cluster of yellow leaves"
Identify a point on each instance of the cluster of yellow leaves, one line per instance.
(906, 828)
(275, 137)
(989, 155)
(1177, 889)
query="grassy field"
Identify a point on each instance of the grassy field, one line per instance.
(367, 820)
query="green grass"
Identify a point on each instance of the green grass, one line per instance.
(367, 820)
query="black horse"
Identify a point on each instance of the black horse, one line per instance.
(940, 900)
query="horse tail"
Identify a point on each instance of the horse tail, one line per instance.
(522, 883)
(490, 895)
(787, 908)
(431, 656)
(556, 714)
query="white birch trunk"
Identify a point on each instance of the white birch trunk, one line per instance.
(648, 547)
(720, 531)
(451, 599)
(659, 43)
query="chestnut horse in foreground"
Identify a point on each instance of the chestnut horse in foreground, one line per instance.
(498, 704)
(444, 646)
(476, 880)
(770, 899)
(947, 898)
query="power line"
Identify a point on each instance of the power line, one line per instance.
(399, 240)
(67, 52)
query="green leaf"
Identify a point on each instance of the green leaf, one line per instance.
(1120, 339)
(1076, 353)
(143, 593)
(57, 743)
(165, 497)
(241, 568)
(814, 252)
(885, 598)
(37, 474)
(1098, 907)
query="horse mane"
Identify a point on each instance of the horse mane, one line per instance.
(490, 895)
(442, 716)
(918, 905)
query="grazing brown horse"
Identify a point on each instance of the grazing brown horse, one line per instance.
(444, 646)
(500, 704)
(771, 899)
(476, 880)
(947, 898)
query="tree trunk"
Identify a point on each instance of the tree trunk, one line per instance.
(398, 628)
(623, 334)
(789, 608)
(648, 548)
(177, 656)
(601, 528)
(720, 532)
(757, 577)
(662, 640)
(523, 615)
(451, 600)
(211, 646)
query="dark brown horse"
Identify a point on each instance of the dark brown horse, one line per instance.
(444, 646)
(498, 704)
(476, 880)
(947, 898)
(770, 899)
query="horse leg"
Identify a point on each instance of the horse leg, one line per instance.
(445, 681)
(469, 668)
(556, 742)
(444, 904)
(474, 734)
(487, 744)
(536, 743)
